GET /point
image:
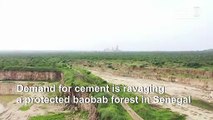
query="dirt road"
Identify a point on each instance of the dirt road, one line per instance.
(173, 89)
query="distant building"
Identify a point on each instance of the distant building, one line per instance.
(116, 49)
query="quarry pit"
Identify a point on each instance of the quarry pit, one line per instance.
(10, 79)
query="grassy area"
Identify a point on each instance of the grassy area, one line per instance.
(151, 112)
(148, 112)
(111, 111)
(62, 116)
(59, 116)
(25, 107)
(108, 111)
(202, 104)
(4, 99)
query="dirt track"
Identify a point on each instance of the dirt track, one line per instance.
(131, 112)
(173, 89)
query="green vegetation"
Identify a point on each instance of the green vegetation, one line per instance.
(7, 98)
(59, 116)
(107, 111)
(25, 107)
(202, 104)
(190, 59)
(62, 116)
(110, 111)
(148, 112)
(193, 65)
(151, 112)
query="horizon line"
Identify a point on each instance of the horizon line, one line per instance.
(1, 51)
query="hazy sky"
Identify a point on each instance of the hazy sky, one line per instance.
(143, 25)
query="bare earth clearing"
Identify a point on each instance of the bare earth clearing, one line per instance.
(11, 110)
(173, 89)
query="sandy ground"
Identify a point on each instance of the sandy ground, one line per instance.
(11, 111)
(1, 108)
(173, 89)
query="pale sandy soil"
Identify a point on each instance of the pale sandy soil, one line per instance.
(1, 108)
(173, 89)
(11, 111)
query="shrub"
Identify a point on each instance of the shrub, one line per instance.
(193, 65)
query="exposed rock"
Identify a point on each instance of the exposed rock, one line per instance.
(7, 88)
(29, 75)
